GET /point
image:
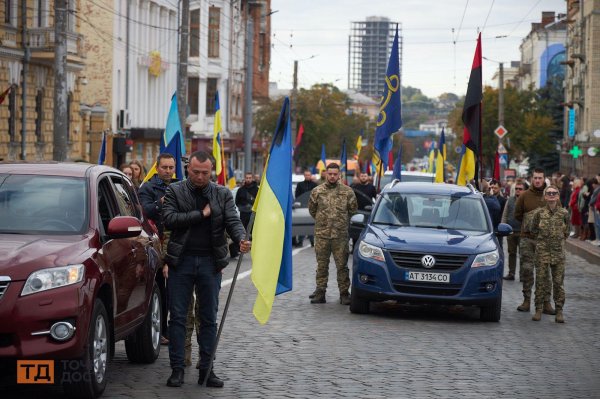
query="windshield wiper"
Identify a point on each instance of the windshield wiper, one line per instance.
(387, 224)
(428, 226)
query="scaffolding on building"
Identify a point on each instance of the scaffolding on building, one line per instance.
(369, 46)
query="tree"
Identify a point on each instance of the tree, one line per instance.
(325, 113)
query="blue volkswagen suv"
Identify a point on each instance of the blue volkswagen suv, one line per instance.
(429, 243)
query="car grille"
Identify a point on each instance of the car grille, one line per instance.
(4, 282)
(412, 260)
(428, 289)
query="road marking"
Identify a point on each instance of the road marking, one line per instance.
(247, 273)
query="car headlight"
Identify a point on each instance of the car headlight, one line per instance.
(47, 279)
(370, 251)
(486, 259)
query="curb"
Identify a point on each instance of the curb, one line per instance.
(584, 249)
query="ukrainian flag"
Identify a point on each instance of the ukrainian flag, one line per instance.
(440, 176)
(217, 149)
(272, 230)
(231, 181)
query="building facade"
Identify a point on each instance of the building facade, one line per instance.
(27, 75)
(369, 46)
(581, 152)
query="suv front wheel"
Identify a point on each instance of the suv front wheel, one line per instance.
(492, 312)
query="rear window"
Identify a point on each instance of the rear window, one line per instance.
(432, 211)
(36, 204)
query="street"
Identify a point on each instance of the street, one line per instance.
(307, 351)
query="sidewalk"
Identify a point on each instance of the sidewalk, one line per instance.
(585, 249)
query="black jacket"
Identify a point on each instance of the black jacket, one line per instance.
(180, 213)
(150, 194)
(304, 186)
(244, 198)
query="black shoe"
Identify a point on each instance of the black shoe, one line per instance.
(311, 296)
(509, 277)
(345, 299)
(213, 381)
(319, 297)
(176, 378)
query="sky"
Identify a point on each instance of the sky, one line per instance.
(439, 38)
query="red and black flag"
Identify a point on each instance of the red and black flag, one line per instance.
(4, 94)
(471, 117)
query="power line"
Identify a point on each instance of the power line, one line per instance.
(488, 15)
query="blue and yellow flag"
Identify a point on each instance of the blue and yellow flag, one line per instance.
(102, 155)
(431, 166)
(343, 158)
(323, 159)
(440, 175)
(231, 181)
(217, 147)
(389, 120)
(397, 173)
(272, 231)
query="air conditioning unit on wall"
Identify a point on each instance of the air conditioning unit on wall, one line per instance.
(123, 121)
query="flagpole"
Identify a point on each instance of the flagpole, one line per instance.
(379, 173)
(224, 316)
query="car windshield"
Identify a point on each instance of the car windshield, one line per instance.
(37, 204)
(456, 212)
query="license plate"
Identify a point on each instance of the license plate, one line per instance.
(428, 277)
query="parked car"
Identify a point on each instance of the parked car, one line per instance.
(302, 223)
(429, 243)
(78, 262)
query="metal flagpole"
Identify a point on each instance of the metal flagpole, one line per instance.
(237, 270)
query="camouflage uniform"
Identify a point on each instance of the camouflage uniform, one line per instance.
(331, 205)
(527, 251)
(551, 229)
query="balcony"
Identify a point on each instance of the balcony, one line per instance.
(42, 43)
(8, 36)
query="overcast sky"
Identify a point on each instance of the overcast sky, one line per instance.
(438, 38)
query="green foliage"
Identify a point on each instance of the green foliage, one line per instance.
(322, 110)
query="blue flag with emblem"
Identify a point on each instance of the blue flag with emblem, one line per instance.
(389, 120)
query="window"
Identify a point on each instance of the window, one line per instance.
(195, 33)
(214, 20)
(193, 84)
(10, 12)
(40, 13)
(39, 115)
(12, 113)
(71, 10)
(211, 93)
(124, 198)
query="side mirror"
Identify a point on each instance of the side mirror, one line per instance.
(504, 230)
(369, 208)
(296, 205)
(358, 219)
(124, 227)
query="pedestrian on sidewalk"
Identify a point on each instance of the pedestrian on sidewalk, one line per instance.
(331, 204)
(528, 202)
(198, 212)
(550, 228)
(508, 216)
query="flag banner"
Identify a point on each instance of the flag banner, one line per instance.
(397, 173)
(471, 117)
(272, 232)
(390, 161)
(323, 159)
(440, 174)
(389, 120)
(466, 167)
(173, 126)
(343, 159)
(231, 181)
(102, 155)
(217, 149)
(431, 163)
(377, 165)
(497, 166)
(358, 146)
(300, 134)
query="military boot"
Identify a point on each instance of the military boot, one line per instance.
(319, 297)
(538, 315)
(548, 308)
(311, 296)
(525, 306)
(345, 299)
(559, 316)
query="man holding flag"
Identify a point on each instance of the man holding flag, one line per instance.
(198, 212)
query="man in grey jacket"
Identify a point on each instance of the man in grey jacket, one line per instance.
(508, 216)
(198, 213)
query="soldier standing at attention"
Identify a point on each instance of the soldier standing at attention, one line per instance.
(331, 204)
(550, 228)
(528, 202)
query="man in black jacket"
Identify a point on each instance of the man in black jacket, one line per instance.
(198, 212)
(244, 198)
(152, 195)
(304, 186)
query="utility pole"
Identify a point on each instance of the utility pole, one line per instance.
(501, 106)
(248, 91)
(59, 151)
(183, 63)
(25, 72)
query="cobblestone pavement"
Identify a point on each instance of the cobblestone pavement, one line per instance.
(308, 351)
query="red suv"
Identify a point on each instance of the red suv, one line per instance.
(78, 262)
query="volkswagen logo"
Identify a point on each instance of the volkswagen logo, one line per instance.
(428, 261)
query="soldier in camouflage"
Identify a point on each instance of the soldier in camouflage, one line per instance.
(526, 204)
(550, 228)
(331, 204)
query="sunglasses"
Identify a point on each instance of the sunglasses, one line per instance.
(519, 188)
(551, 193)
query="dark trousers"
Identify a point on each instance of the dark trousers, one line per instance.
(200, 272)
(164, 304)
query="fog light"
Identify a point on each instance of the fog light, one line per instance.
(363, 278)
(489, 287)
(62, 331)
